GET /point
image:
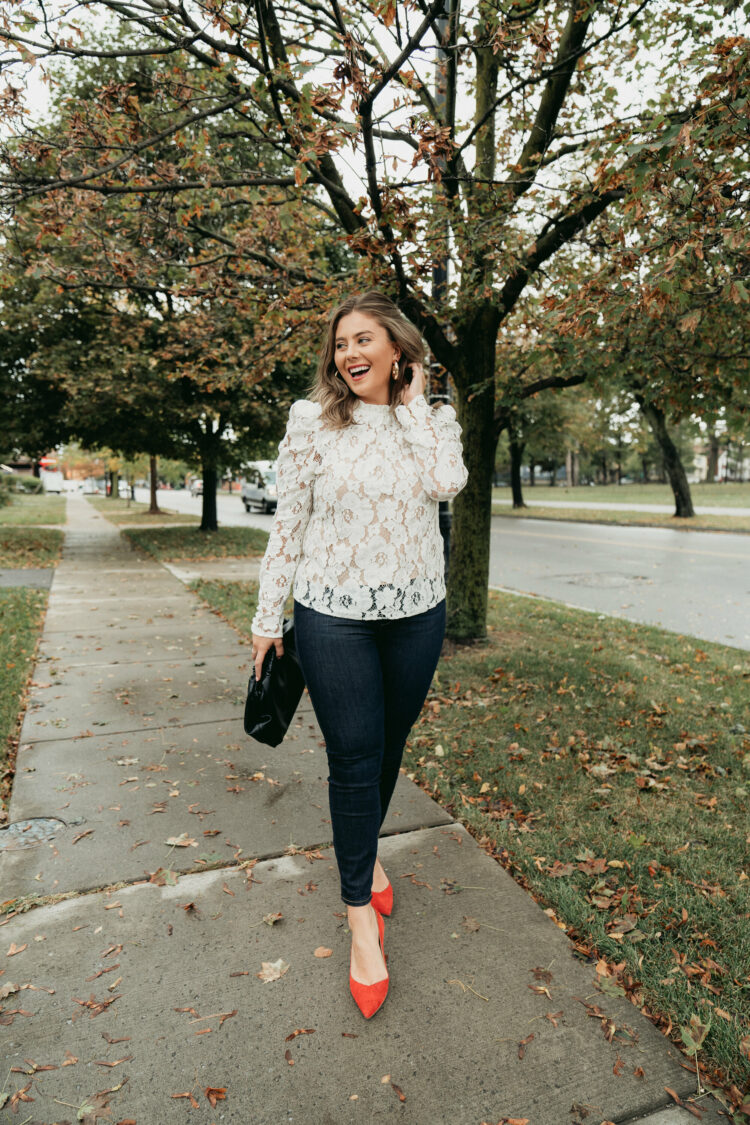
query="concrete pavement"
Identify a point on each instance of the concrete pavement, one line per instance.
(189, 859)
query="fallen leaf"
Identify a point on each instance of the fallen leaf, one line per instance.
(215, 1094)
(80, 835)
(96, 1007)
(272, 970)
(322, 951)
(470, 924)
(193, 1100)
(300, 1031)
(271, 919)
(523, 1044)
(543, 975)
(181, 841)
(14, 949)
(20, 1096)
(160, 877)
(288, 1057)
(399, 1091)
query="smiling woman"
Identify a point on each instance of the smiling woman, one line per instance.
(360, 472)
(366, 357)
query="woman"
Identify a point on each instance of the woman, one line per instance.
(361, 469)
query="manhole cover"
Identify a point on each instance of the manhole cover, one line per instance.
(30, 833)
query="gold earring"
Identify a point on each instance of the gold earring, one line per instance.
(394, 369)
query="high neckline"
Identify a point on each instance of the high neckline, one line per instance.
(371, 411)
(372, 406)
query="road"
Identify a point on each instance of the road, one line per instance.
(692, 582)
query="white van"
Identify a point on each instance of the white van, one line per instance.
(259, 486)
(52, 480)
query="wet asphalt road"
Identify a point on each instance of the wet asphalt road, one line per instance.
(693, 582)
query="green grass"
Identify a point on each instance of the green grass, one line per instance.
(26, 510)
(122, 511)
(23, 547)
(704, 495)
(22, 613)
(605, 765)
(627, 519)
(171, 543)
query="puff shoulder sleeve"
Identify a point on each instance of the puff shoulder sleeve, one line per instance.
(295, 468)
(435, 440)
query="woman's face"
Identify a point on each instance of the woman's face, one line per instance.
(364, 355)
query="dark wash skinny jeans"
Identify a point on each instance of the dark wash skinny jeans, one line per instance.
(367, 682)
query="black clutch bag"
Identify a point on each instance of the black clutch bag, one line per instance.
(272, 700)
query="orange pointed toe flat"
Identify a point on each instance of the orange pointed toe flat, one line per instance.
(383, 900)
(369, 997)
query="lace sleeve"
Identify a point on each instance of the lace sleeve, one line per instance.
(435, 440)
(294, 469)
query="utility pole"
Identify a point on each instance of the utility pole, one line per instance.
(439, 390)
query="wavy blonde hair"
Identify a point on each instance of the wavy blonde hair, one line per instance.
(329, 389)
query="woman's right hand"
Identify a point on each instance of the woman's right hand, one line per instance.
(261, 645)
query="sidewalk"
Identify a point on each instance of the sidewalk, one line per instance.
(142, 984)
(621, 506)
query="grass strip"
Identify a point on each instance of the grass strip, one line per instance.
(704, 495)
(26, 510)
(123, 511)
(739, 524)
(22, 615)
(607, 766)
(168, 544)
(24, 547)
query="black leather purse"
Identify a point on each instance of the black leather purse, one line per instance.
(272, 700)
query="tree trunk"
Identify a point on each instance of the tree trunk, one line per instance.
(553, 475)
(712, 461)
(671, 458)
(532, 477)
(209, 521)
(645, 469)
(114, 485)
(154, 509)
(468, 578)
(516, 458)
(569, 467)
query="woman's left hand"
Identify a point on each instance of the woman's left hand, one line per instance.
(417, 385)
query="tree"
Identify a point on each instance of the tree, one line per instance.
(173, 361)
(546, 150)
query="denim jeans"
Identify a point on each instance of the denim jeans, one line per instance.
(367, 682)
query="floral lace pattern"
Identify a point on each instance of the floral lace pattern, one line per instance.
(356, 525)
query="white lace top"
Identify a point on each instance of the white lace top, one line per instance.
(356, 525)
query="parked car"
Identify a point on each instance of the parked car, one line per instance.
(196, 488)
(259, 489)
